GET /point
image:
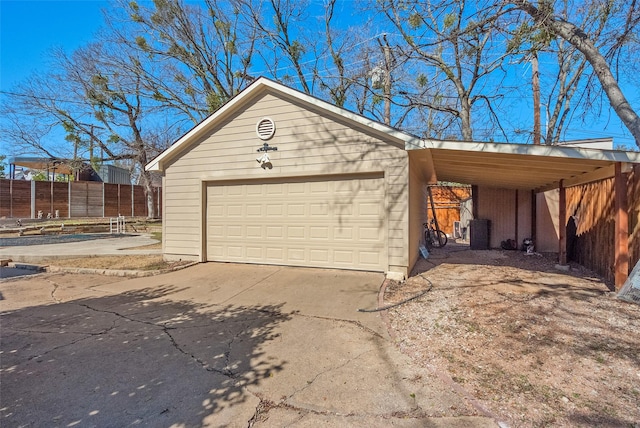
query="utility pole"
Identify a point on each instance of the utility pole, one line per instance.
(535, 86)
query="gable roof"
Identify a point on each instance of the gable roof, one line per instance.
(259, 86)
(506, 165)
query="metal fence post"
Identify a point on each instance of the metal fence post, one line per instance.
(33, 199)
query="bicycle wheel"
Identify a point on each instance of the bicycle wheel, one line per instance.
(440, 239)
(427, 239)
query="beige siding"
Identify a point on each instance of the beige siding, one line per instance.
(417, 210)
(309, 143)
(525, 200)
(547, 215)
(499, 206)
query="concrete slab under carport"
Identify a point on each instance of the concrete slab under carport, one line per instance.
(213, 345)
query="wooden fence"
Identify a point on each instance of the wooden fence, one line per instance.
(593, 207)
(28, 199)
(447, 204)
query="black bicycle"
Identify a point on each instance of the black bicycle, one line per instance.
(434, 238)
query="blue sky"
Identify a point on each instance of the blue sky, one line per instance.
(30, 28)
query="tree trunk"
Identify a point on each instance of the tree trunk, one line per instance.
(577, 37)
(146, 182)
(465, 118)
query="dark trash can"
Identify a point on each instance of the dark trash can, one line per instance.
(480, 233)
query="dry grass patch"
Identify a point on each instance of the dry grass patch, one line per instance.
(140, 262)
(536, 346)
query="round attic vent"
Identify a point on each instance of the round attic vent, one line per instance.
(265, 128)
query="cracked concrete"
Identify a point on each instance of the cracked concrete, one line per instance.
(212, 345)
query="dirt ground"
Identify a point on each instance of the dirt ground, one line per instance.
(534, 345)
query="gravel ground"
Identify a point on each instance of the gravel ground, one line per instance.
(535, 346)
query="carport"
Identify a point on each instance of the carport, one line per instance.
(529, 171)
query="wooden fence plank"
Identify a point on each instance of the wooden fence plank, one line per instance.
(74, 199)
(593, 207)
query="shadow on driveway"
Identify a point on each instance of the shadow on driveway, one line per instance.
(119, 360)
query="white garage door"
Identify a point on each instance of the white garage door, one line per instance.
(335, 223)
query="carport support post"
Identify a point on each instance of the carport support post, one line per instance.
(621, 260)
(562, 225)
(474, 201)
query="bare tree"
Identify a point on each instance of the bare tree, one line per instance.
(623, 18)
(280, 26)
(201, 53)
(451, 46)
(100, 107)
(102, 76)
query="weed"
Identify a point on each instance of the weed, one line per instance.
(523, 384)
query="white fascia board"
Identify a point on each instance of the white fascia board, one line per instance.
(529, 149)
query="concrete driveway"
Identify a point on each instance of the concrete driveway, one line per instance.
(212, 345)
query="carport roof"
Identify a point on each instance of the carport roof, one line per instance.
(41, 164)
(516, 166)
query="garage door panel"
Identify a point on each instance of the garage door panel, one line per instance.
(252, 191)
(234, 232)
(370, 209)
(331, 223)
(275, 254)
(215, 252)
(296, 210)
(296, 254)
(235, 251)
(319, 232)
(319, 209)
(216, 210)
(319, 187)
(275, 232)
(369, 258)
(234, 210)
(254, 232)
(343, 233)
(343, 257)
(295, 232)
(235, 191)
(368, 234)
(254, 210)
(296, 188)
(319, 256)
(275, 189)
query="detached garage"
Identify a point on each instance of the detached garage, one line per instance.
(276, 176)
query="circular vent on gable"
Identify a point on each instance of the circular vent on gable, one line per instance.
(266, 128)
